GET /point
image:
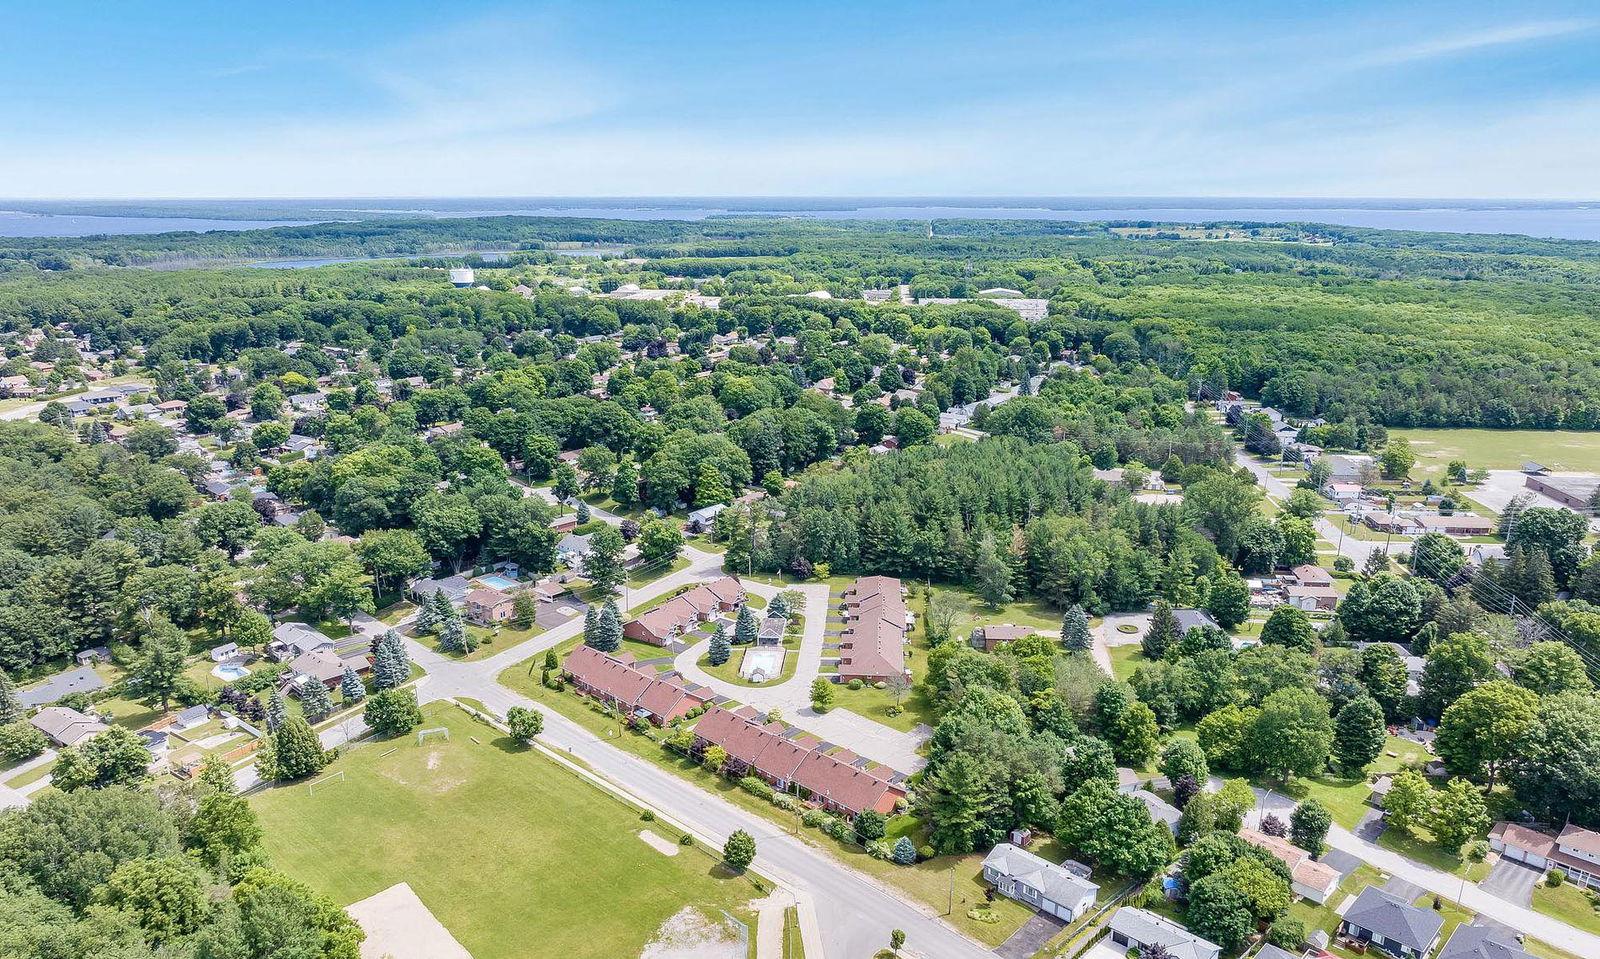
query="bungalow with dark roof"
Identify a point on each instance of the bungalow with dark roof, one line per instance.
(1481, 942)
(1391, 924)
(987, 638)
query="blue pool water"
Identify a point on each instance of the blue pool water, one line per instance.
(496, 581)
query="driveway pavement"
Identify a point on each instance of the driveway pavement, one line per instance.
(1341, 860)
(1512, 881)
(1502, 485)
(1371, 825)
(1031, 937)
(1403, 890)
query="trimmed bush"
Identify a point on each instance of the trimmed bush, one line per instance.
(756, 787)
(814, 818)
(1556, 878)
(785, 802)
(855, 684)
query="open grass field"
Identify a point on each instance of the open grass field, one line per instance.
(1501, 449)
(505, 847)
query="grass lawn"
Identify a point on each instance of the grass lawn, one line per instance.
(1453, 914)
(1346, 798)
(488, 641)
(642, 576)
(1567, 903)
(31, 776)
(928, 882)
(1033, 613)
(505, 847)
(1126, 659)
(1501, 449)
(1418, 844)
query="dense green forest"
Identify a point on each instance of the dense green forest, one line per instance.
(1405, 329)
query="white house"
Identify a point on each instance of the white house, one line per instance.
(1019, 874)
(1134, 928)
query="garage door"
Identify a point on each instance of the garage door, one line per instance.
(1516, 855)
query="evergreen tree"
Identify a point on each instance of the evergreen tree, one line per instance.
(993, 574)
(779, 607)
(294, 752)
(719, 651)
(746, 628)
(350, 687)
(904, 852)
(709, 486)
(591, 628)
(583, 513)
(524, 610)
(453, 635)
(611, 626)
(1359, 733)
(428, 613)
(10, 707)
(277, 711)
(1163, 632)
(1075, 631)
(314, 700)
(385, 675)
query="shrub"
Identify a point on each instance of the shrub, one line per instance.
(1287, 933)
(880, 684)
(1556, 878)
(785, 802)
(756, 787)
(839, 829)
(685, 840)
(879, 849)
(648, 816)
(19, 741)
(856, 684)
(814, 818)
(923, 852)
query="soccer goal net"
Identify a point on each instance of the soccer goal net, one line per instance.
(423, 734)
(328, 780)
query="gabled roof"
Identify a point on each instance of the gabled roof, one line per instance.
(848, 786)
(66, 726)
(1055, 882)
(1148, 928)
(1481, 942)
(1378, 912)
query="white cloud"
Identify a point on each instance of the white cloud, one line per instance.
(1444, 46)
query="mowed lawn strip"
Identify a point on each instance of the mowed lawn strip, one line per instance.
(506, 847)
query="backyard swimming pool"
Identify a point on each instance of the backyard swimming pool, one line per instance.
(230, 671)
(496, 581)
(761, 665)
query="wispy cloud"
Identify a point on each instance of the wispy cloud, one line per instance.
(1459, 43)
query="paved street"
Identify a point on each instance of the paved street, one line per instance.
(1278, 490)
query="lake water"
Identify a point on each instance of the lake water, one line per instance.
(14, 223)
(1576, 221)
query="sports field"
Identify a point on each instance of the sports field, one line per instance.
(507, 848)
(1501, 449)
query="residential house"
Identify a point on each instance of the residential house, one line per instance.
(489, 607)
(702, 519)
(292, 640)
(1037, 882)
(660, 698)
(1481, 942)
(1160, 810)
(872, 646)
(1391, 924)
(320, 666)
(1311, 598)
(1349, 468)
(1342, 492)
(67, 727)
(92, 655)
(455, 588)
(224, 653)
(80, 680)
(1309, 575)
(987, 638)
(572, 549)
(682, 612)
(1134, 928)
(1576, 851)
(1188, 619)
(1384, 522)
(1309, 878)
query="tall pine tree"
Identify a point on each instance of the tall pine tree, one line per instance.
(747, 628)
(1162, 634)
(719, 651)
(314, 700)
(277, 711)
(609, 625)
(402, 659)
(1075, 631)
(592, 636)
(453, 635)
(351, 688)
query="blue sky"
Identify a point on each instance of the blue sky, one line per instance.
(353, 98)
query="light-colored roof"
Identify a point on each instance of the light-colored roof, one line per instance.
(1055, 882)
(1523, 837)
(66, 726)
(1148, 928)
(1305, 870)
(1581, 839)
